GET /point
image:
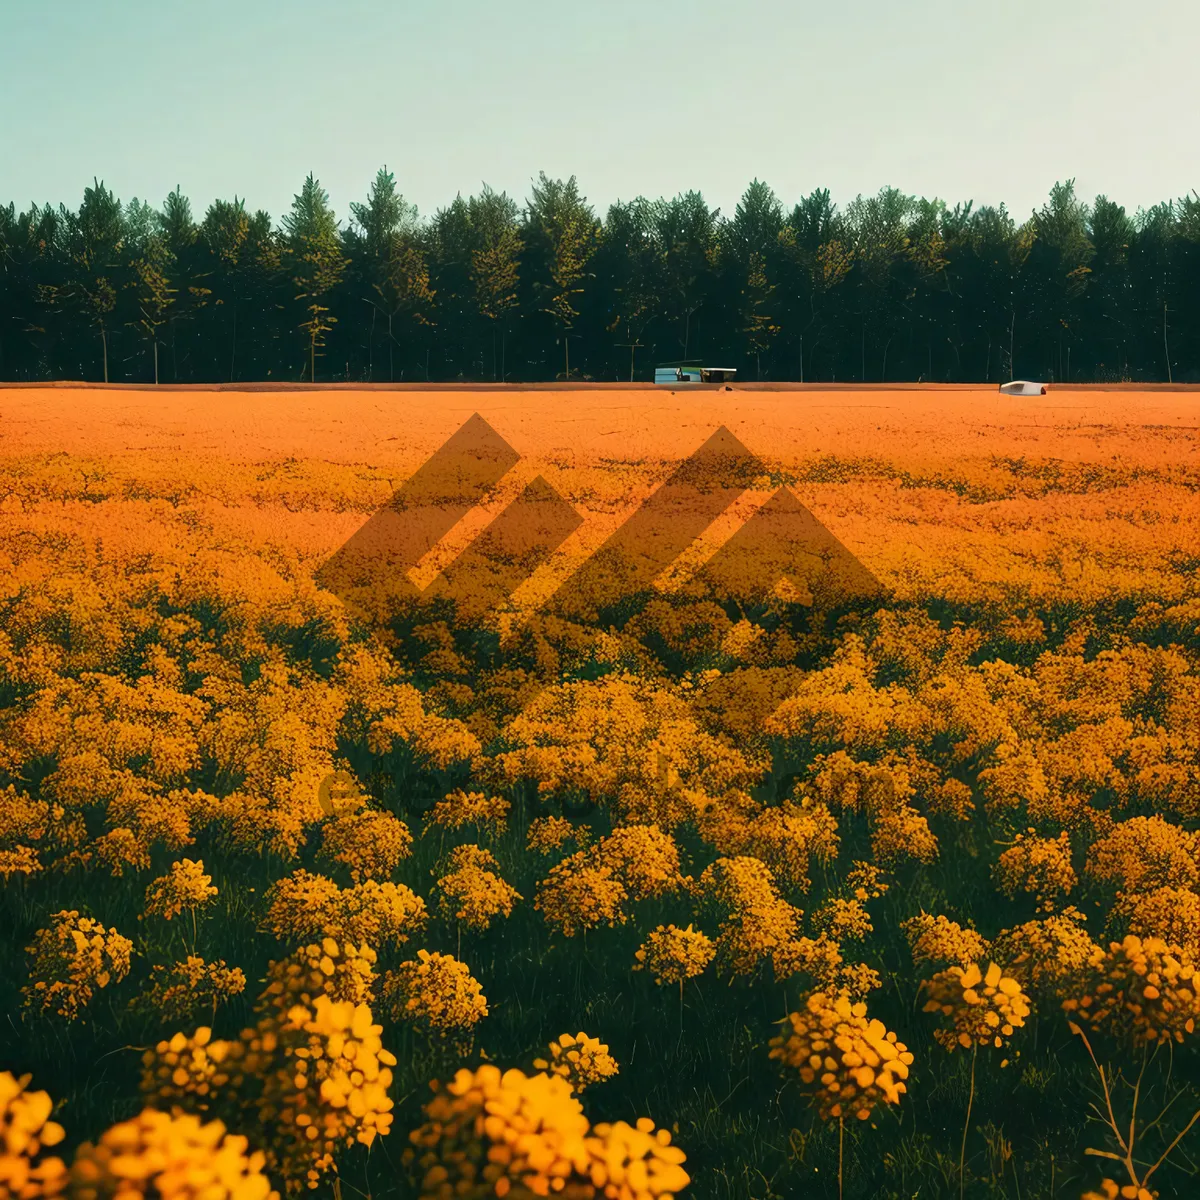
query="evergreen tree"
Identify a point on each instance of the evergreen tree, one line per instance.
(315, 261)
(563, 232)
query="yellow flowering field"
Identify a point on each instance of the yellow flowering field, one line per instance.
(554, 858)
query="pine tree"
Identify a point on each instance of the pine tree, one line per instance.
(564, 232)
(317, 262)
(495, 261)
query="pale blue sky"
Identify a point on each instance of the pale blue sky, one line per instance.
(993, 101)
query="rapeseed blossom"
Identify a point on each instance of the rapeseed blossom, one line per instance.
(672, 954)
(848, 1062)
(73, 957)
(983, 1007)
(436, 992)
(162, 1157)
(187, 887)
(25, 1132)
(579, 1059)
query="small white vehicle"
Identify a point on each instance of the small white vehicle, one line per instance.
(1023, 387)
(673, 375)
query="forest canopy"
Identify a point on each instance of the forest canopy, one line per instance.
(889, 288)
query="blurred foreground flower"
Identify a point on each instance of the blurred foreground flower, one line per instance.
(163, 1157)
(518, 1136)
(25, 1130)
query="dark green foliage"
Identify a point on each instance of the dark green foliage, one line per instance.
(891, 288)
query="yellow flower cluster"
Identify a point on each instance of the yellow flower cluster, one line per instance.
(473, 893)
(901, 834)
(672, 954)
(939, 940)
(325, 1084)
(341, 971)
(369, 843)
(25, 1131)
(1169, 913)
(119, 849)
(1040, 867)
(580, 894)
(311, 1078)
(461, 808)
(579, 1059)
(177, 993)
(983, 1007)
(634, 1162)
(1050, 954)
(643, 858)
(157, 1156)
(436, 992)
(843, 920)
(1144, 853)
(190, 1073)
(547, 834)
(866, 881)
(303, 906)
(758, 922)
(186, 887)
(785, 837)
(1111, 1190)
(848, 1062)
(21, 860)
(1143, 990)
(71, 959)
(507, 1134)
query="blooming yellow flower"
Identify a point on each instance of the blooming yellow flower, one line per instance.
(25, 1131)
(1141, 989)
(436, 992)
(72, 958)
(983, 1007)
(1050, 954)
(514, 1135)
(369, 843)
(461, 808)
(186, 887)
(580, 894)
(1040, 867)
(547, 834)
(672, 954)
(181, 991)
(940, 940)
(163, 1157)
(304, 907)
(758, 923)
(643, 858)
(191, 1073)
(579, 1059)
(339, 970)
(849, 1063)
(471, 892)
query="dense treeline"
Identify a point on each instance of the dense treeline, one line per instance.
(891, 288)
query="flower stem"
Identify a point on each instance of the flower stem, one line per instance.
(841, 1139)
(962, 1153)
